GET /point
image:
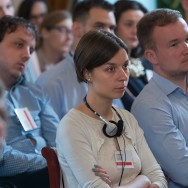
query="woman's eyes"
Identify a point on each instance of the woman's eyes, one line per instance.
(113, 68)
(125, 67)
(110, 69)
(128, 24)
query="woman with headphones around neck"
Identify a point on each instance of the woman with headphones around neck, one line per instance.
(95, 133)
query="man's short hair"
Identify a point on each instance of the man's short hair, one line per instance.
(10, 24)
(158, 17)
(81, 9)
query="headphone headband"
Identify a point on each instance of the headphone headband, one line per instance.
(110, 128)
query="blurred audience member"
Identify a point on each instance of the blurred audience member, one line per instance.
(184, 4)
(33, 10)
(55, 38)
(6, 8)
(128, 13)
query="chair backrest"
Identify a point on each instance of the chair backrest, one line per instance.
(54, 170)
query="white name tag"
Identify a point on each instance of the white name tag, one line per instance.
(25, 118)
(120, 159)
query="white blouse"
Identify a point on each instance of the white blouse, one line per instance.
(81, 143)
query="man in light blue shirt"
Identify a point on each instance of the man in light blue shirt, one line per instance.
(13, 161)
(31, 122)
(162, 107)
(60, 82)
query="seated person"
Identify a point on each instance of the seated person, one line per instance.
(31, 121)
(33, 10)
(162, 106)
(13, 161)
(94, 132)
(6, 8)
(127, 14)
(55, 39)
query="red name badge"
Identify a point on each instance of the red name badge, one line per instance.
(124, 159)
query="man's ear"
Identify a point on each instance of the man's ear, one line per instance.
(151, 56)
(77, 29)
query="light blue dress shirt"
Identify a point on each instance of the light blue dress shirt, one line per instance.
(14, 162)
(20, 155)
(30, 73)
(24, 94)
(162, 111)
(61, 84)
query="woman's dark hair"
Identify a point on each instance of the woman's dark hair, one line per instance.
(94, 49)
(24, 10)
(122, 6)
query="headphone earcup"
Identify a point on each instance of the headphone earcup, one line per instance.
(120, 127)
(117, 131)
(106, 133)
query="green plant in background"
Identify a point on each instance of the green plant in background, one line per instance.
(173, 4)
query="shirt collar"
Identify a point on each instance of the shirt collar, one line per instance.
(166, 85)
(20, 81)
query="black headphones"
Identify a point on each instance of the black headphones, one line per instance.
(110, 128)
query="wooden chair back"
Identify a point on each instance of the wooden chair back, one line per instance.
(54, 170)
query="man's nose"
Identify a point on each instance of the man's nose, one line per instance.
(108, 30)
(26, 54)
(185, 47)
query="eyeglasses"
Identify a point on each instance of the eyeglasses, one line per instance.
(62, 29)
(39, 16)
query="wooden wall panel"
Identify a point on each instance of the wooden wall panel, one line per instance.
(59, 4)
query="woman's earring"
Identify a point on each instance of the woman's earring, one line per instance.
(89, 80)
